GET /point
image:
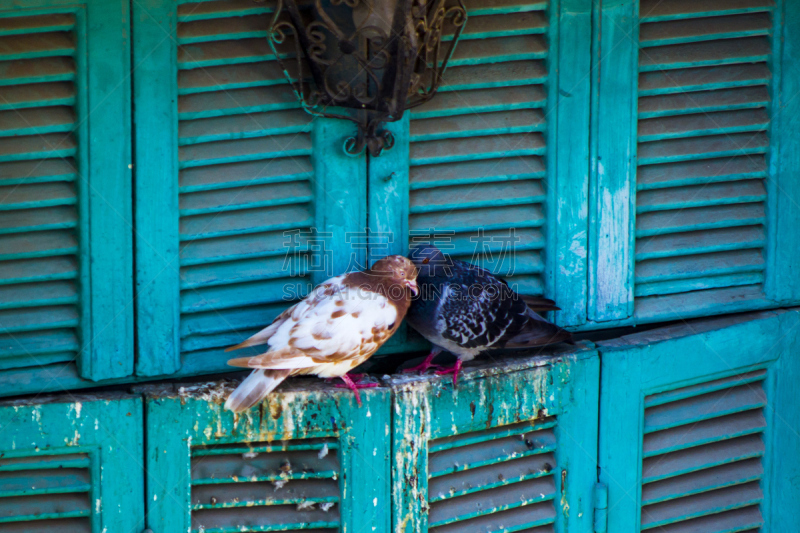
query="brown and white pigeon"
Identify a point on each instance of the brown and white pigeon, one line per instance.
(466, 310)
(333, 330)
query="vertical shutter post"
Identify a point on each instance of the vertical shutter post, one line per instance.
(612, 193)
(340, 184)
(782, 283)
(157, 238)
(108, 350)
(387, 205)
(568, 167)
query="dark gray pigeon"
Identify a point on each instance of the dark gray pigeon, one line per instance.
(466, 310)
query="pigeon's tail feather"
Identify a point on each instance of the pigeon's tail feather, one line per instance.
(539, 332)
(539, 304)
(261, 337)
(254, 388)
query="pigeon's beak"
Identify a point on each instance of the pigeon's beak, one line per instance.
(411, 284)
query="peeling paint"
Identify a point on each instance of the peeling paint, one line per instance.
(527, 392)
(323, 452)
(564, 502)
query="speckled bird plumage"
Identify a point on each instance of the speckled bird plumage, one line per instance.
(333, 330)
(466, 310)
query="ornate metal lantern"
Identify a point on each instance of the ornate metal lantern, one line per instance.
(365, 60)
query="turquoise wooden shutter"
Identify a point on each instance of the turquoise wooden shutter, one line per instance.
(486, 111)
(512, 448)
(697, 426)
(483, 153)
(65, 207)
(494, 169)
(692, 177)
(227, 183)
(478, 166)
(72, 464)
(305, 459)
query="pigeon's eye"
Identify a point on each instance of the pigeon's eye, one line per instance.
(426, 260)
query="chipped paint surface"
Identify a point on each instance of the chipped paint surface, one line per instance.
(489, 395)
(74, 439)
(409, 446)
(186, 418)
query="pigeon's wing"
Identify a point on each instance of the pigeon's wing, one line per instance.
(538, 332)
(536, 303)
(479, 310)
(335, 323)
(263, 336)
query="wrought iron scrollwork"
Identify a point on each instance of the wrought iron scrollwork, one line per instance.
(365, 60)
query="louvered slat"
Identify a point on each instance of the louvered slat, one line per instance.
(39, 212)
(292, 485)
(703, 453)
(478, 149)
(43, 493)
(499, 479)
(703, 144)
(245, 171)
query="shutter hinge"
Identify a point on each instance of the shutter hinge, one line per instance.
(600, 508)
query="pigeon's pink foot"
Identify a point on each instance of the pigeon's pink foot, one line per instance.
(355, 377)
(426, 364)
(455, 369)
(355, 385)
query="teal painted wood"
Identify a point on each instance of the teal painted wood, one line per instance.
(387, 208)
(699, 135)
(539, 414)
(576, 432)
(95, 59)
(340, 192)
(109, 251)
(481, 151)
(188, 431)
(40, 202)
(72, 464)
(156, 165)
(388, 194)
(569, 100)
(782, 277)
(225, 248)
(612, 191)
(783, 505)
(673, 372)
(708, 179)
